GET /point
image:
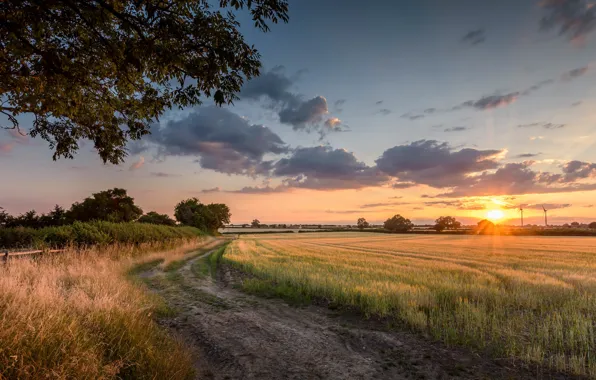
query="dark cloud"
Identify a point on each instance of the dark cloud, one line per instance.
(435, 164)
(412, 116)
(323, 167)
(261, 190)
(304, 115)
(575, 104)
(403, 185)
(575, 73)
(456, 129)
(338, 104)
(396, 197)
(379, 102)
(460, 205)
(220, 140)
(212, 190)
(573, 18)
(474, 37)
(384, 111)
(528, 155)
(164, 175)
(333, 123)
(543, 125)
(519, 178)
(491, 101)
(384, 204)
(273, 84)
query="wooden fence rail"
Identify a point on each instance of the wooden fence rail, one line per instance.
(18, 254)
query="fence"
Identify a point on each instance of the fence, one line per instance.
(23, 253)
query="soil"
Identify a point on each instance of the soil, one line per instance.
(238, 336)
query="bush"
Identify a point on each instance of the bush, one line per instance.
(93, 233)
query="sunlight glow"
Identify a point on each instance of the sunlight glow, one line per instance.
(495, 215)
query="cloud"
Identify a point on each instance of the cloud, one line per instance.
(575, 104)
(548, 206)
(412, 116)
(18, 137)
(383, 204)
(474, 37)
(164, 175)
(333, 123)
(527, 155)
(384, 111)
(338, 104)
(575, 73)
(456, 129)
(220, 140)
(304, 114)
(293, 110)
(435, 164)
(397, 197)
(519, 178)
(378, 103)
(543, 125)
(492, 101)
(261, 190)
(534, 138)
(349, 211)
(460, 205)
(323, 167)
(138, 164)
(573, 18)
(212, 190)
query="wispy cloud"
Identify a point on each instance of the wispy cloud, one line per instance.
(138, 164)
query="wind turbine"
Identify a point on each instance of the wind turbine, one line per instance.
(521, 210)
(545, 218)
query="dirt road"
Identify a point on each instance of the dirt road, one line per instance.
(239, 336)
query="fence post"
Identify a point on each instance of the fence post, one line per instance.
(6, 256)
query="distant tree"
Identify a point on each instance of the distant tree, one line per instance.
(398, 224)
(362, 223)
(209, 218)
(5, 218)
(57, 217)
(575, 224)
(153, 217)
(30, 219)
(112, 205)
(255, 223)
(485, 226)
(446, 223)
(105, 70)
(592, 225)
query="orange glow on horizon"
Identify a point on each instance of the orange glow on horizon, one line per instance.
(495, 215)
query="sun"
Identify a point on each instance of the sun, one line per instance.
(495, 215)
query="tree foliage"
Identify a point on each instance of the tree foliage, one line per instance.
(398, 224)
(361, 223)
(592, 225)
(211, 217)
(447, 223)
(104, 70)
(110, 205)
(153, 217)
(255, 223)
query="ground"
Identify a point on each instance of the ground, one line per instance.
(238, 336)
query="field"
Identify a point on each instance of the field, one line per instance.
(524, 298)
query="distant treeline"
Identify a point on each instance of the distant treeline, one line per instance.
(93, 233)
(116, 206)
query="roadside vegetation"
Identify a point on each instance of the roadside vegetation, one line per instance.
(84, 314)
(525, 298)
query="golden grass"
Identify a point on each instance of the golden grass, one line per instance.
(77, 315)
(528, 298)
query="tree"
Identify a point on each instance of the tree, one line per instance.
(398, 224)
(105, 70)
(485, 226)
(192, 212)
(153, 217)
(112, 205)
(575, 224)
(592, 225)
(446, 223)
(255, 223)
(362, 223)
(5, 218)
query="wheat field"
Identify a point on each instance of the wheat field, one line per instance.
(525, 298)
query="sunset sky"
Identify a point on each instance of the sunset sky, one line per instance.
(369, 109)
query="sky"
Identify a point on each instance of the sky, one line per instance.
(420, 108)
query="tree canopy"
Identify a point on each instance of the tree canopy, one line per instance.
(153, 217)
(592, 225)
(255, 223)
(362, 223)
(112, 205)
(211, 217)
(446, 223)
(105, 70)
(398, 224)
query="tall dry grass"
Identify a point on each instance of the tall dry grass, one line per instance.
(528, 298)
(78, 315)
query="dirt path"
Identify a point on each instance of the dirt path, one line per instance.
(239, 336)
